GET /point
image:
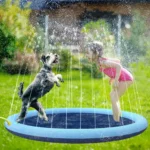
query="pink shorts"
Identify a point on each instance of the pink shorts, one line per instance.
(125, 75)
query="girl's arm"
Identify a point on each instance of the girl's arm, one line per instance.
(112, 64)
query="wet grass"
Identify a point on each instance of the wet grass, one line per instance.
(78, 90)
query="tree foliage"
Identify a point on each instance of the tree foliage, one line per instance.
(15, 23)
(7, 45)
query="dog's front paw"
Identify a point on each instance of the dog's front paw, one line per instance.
(59, 77)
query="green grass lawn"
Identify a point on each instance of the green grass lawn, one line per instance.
(78, 90)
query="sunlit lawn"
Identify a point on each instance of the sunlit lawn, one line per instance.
(78, 90)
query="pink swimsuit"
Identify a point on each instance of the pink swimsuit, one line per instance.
(125, 75)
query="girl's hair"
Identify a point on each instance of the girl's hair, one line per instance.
(95, 46)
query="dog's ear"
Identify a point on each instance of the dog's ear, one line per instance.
(43, 59)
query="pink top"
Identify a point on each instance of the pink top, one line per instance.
(125, 75)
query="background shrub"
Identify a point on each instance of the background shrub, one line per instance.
(22, 63)
(7, 45)
(91, 68)
(65, 59)
(16, 31)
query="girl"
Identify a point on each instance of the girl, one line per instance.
(120, 78)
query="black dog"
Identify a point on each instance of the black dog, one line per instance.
(43, 83)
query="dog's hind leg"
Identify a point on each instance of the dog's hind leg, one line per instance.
(25, 105)
(35, 104)
(20, 89)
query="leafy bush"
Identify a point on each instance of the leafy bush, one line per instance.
(65, 57)
(67, 60)
(22, 63)
(91, 68)
(16, 31)
(7, 45)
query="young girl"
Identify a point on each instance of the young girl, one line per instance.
(120, 78)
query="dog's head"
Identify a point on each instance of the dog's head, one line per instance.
(50, 59)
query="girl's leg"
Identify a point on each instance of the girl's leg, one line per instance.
(123, 86)
(115, 96)
(115, 104)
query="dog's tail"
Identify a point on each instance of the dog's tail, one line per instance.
(20, 89)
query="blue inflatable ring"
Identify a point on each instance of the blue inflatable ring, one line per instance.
(77, 125)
